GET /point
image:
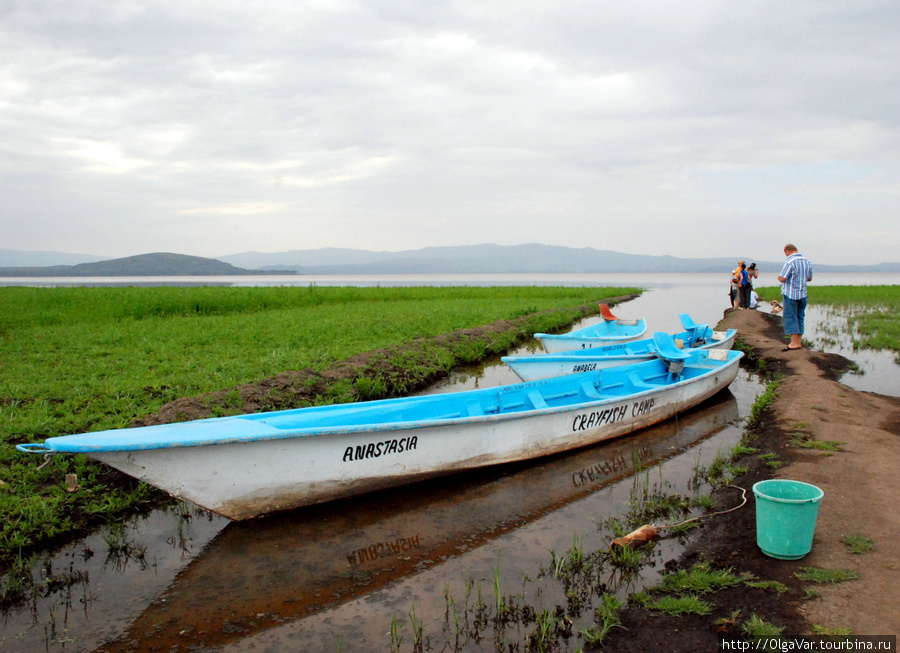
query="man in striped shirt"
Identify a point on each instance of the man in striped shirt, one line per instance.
(795, 274)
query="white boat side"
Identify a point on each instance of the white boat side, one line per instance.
(605, 332)
(574, 361)
(246, 466)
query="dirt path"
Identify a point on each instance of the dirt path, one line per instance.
(860, 484)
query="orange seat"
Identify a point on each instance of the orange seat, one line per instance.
(607, 314)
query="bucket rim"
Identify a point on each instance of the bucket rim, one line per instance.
(761, 492)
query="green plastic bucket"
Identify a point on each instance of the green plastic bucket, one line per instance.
(786, 513)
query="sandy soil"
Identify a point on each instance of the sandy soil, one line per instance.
(860, 485)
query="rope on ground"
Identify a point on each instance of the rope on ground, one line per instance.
(711, 514)
(649, 532)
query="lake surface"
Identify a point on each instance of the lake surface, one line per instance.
(658, 281)
(344, 576)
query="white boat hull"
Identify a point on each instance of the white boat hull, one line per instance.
(246, 479)
(545, 366)
(564, 342)
(600, 334)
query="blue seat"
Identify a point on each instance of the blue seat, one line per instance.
(697, 331)
(665, 347)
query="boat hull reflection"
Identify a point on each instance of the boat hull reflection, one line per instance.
(258, 574)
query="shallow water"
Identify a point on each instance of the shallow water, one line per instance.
(334, 576)
(337, 577)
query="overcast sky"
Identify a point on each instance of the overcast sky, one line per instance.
(215, 127)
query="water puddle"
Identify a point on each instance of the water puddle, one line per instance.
(875, 371)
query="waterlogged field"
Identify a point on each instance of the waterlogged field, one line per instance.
(872, 312)
(83, 359)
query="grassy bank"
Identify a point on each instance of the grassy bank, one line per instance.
(84, 359)
(872, 312)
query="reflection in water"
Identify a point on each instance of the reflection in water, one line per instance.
(254, 576)
(500, 532)
(257, 573)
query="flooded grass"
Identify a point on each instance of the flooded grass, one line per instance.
(860, 323)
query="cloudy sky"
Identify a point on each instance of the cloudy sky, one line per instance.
(213, 127)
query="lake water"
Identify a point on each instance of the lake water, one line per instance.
(645, 280)
(342, 577)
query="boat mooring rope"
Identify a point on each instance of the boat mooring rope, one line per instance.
(711, 514)
(650, 532)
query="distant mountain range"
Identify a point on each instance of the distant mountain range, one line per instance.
(473, 259)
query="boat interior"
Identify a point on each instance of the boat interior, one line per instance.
(546, 394)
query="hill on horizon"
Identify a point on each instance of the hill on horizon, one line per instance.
(142, 265)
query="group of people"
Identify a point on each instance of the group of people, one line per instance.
(795, 274)
(742, 293)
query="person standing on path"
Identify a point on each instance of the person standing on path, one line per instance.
(795, 274)
(735, 289)
(745, 287)
(752, 273)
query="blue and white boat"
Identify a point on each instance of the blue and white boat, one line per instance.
(610, 330)
(573, 361)
(249, 465)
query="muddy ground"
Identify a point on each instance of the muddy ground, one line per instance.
(860, 485)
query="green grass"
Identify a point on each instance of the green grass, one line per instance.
(765, 635)
(840, 631)
(773, 585)
(858, 544)
(700, 579)
(683, 588)
(679, 605)
(820, 575)
(607, 618)
(803, 441)
(761, 405)
(87, 359)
